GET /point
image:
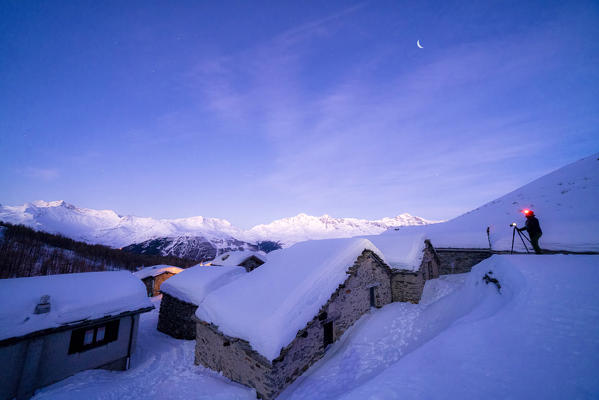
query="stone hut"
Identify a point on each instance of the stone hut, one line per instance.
(408, 284)
(182, 293)
(413, 261)
(266, 328)
(55, 326)
(249, 260)
(154, 276)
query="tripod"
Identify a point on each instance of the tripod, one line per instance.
(522, 237)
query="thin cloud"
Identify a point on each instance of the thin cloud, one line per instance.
(46, 174)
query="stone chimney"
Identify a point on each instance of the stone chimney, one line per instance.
(43, 306)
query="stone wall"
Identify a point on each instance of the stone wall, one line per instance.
(459, 261)
(236, 359)
(176, 318)
(149, 283)
(407, 286)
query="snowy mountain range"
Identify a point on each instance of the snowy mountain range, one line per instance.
(305, 227)
(193, 237)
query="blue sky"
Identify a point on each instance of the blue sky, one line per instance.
(252, 111)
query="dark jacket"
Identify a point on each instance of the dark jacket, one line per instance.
(532, 226)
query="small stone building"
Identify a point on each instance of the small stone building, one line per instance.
(182, 293)
(249, 260)
(55, 326)
(266, 328)
(154, 276)
(408, 284)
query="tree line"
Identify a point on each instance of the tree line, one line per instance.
(27, 252)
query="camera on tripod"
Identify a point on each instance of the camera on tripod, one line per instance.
(521, 235)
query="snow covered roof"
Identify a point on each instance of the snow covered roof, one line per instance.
(195, 283)
(73, 298)
(401, 251)
(156, 270)
(233, 258)
(268, 306)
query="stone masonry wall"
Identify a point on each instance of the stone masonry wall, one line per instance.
(149, 284)
(459, 261)
(407, 286)
(176, 318)
(238, 361)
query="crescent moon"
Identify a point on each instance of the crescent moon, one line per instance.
(418, 44)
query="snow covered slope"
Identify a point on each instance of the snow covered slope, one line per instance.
(565, 201)
(306, 227)
(196, 248)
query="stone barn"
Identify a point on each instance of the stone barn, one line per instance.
(249, 260)
(182, 293)
(154, 276)
(266, 328)
(408, 284)
(55, 326)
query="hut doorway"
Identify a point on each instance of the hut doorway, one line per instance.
(328, 333)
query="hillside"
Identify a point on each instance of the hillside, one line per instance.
(190, 247)
(26, 252)
(565, 202)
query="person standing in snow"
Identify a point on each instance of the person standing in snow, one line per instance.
(533, 228)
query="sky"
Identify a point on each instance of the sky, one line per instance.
(253, 111)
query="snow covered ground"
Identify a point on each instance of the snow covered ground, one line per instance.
(536, 337)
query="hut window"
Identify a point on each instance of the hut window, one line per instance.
(328, 333)
(91, 337)
(100, 333)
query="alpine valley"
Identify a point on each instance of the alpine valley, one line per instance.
(196, 238)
